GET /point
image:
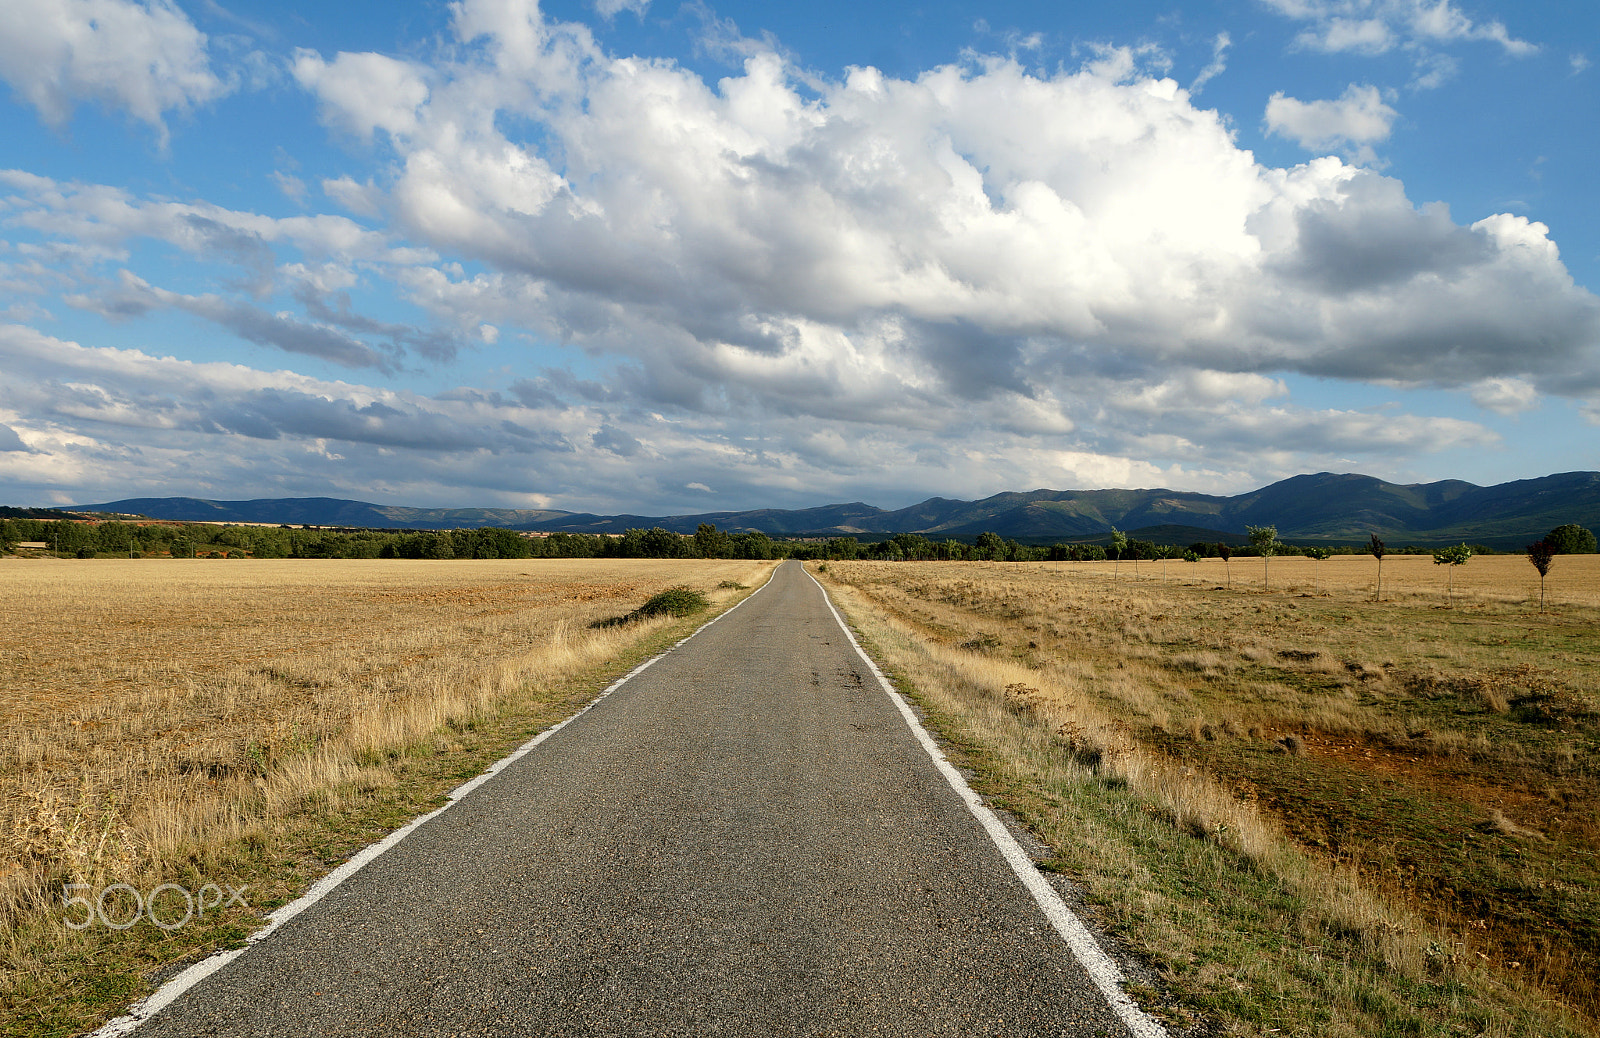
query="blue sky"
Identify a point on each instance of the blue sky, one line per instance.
(658, 257)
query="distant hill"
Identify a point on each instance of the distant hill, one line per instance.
(7, 512)
(320, 511)
(1327, 508)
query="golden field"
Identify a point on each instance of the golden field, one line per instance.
(1501, 579)
(197, 721)
(1314, 812)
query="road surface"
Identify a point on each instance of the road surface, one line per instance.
(744, 839)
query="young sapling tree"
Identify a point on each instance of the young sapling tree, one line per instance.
(1321, 555)
(1263, 539)
(1456, 555)
(1541, 554)
(1225, 553)
(1119, 544)
(1376, 550)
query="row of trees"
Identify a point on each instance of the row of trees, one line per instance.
(186, 540)
(87, 539)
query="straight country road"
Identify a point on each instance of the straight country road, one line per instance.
(744, 839)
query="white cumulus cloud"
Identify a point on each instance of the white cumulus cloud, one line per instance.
(1507, 396)
(146, 57)
(364, 92)
(1376, 26)
(1352, 123)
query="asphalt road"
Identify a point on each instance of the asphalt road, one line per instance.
(744, 839)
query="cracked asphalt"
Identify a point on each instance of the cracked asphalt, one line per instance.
(744, 839)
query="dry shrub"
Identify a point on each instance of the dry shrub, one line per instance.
(1257, 653)
(1499, 823)
(1204, 663)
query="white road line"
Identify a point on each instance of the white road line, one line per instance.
(169, 992)
(1102, 969)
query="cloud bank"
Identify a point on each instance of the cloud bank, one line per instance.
(786, 287)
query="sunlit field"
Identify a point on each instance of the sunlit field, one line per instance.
(1499, 579)
(1313, 810)
(188, 721)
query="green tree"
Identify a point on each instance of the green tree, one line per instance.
(1016, 551)
(1119, 544)
(990, 545)
(753, 545)
(487, 542)
(1321, 556)
(1454, 556)
(1571, 539)
(664, 544)
(1225, 553)
(913, 545)
(439, 545)
(114, 536)
(843, 548)
(711, 543)
(1139, 550)
(1376, 549)
(1541, 554)
(1264, 539)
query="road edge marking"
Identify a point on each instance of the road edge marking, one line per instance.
(167, 993)
(1102, 969)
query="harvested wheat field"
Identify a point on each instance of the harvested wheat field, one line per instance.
(1316, 813)
(228, 722)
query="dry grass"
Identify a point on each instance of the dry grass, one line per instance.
(1408, 579)
(1414, 785)
(190, 721)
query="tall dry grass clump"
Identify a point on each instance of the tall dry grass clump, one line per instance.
(166, 721)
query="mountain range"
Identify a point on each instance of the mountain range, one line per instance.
(1327, 508)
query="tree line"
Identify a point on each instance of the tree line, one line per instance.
(89, 539)
(187, 540)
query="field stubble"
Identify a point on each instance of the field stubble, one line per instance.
(201, 721)
(1315, 812)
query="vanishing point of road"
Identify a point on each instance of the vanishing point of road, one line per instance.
(746, 838)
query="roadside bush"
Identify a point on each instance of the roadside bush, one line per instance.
(674, 601)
